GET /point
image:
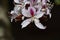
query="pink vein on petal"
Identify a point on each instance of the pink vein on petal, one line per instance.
(31, 12)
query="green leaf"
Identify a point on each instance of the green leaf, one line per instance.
(57, 2)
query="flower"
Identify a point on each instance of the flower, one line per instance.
(33, 10)
(17, 9)
(15, 12)
(46, 10)
(33, 17)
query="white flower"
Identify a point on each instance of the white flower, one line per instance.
(44, 3)
(33, 10)
(15, 12)
(33, 17)
(17, 9)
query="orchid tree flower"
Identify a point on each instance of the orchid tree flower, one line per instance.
(33, 16)
(45, 7)
(16, 12)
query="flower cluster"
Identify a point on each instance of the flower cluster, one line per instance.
(33, 10)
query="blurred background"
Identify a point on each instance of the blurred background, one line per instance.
(12, 30)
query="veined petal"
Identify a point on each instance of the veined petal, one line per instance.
(39, 25)
(17, 9)
(16, 1)
(26, 13)
(39, 14)
(25, 23)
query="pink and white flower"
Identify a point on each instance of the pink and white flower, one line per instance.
(33, 17)
(15, 12)
(35, 10)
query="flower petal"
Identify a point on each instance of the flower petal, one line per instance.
(39, 14)
(25, 23)
(11, 12)
(17, 9)
(50, 15)
(38, 1)
(25, 1)
(48, 12)
(39, 25)
(16, 1)
(15, 12)
(11, 20)
(48, 0)
(14, 15)
(44, 2)
(26, 13)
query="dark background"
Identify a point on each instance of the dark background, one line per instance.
(33, 33)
